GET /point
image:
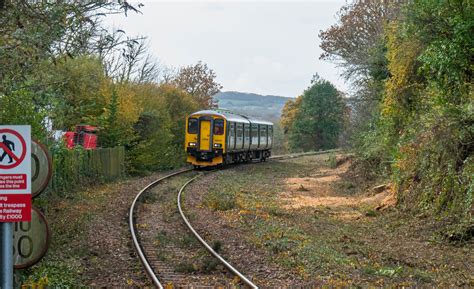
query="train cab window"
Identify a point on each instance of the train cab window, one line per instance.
(219, 126)
(193, 125)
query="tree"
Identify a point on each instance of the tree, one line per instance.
(200, 82)
(82, 87)
(129, 60)
(318, 119)
(357, 43)
(36, 37)
(427, 115)
(179, 104)
(160, 128)
(288, 113)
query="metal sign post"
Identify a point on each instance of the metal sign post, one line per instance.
(15, 191)
(6, 260)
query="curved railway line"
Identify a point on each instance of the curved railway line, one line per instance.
(155, 269)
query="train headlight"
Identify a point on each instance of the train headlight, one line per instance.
(192, 144)
(217, 145)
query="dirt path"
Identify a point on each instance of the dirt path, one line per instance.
(112, 261)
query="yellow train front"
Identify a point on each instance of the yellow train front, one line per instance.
(217, 137)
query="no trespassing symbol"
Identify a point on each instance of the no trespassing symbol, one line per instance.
(15, 173)
(7, 144)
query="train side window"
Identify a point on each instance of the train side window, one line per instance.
(254, 134)
(232, 129)
(239, 130)
(193, 125)
(263, 133)
(246, 131)
(219, 126)
(254, 131)
(232, 135)
(240, 135)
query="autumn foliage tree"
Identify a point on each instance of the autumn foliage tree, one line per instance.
(159, 138)
(288, 113)
(199, 81)
(357, 44)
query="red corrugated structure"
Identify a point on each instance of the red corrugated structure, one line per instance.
(85, 136)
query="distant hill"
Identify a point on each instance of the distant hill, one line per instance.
(262, 106)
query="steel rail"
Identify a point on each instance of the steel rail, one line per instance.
(131, 222)
(209, 248)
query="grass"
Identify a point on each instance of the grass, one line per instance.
(313, 241)
(221, 198)
(187, 241)
(55, 273)
(186, 267)
(162, 238)
(332, 161)
(68, 218)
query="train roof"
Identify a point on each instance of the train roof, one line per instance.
(232, 116)
(259, 121)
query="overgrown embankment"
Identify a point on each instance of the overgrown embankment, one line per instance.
(413, 110)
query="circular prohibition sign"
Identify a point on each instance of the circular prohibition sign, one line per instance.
(30, 240)
(41, 168)
(18, 160)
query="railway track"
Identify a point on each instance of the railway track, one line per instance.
(159, 271)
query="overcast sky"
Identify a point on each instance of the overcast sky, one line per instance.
(263, 47)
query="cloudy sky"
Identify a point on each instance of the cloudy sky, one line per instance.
(264, 47)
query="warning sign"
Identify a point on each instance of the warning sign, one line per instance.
(15, 173)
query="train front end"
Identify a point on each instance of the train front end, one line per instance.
(205, 138)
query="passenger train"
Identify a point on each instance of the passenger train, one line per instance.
(215, 137)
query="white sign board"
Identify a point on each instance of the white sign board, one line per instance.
(15, 173)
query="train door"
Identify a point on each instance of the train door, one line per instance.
(263, 136)
(205, 135)
(254, 135)
(246, 136)
(231, 143)
(270, 136)
(240, 136)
